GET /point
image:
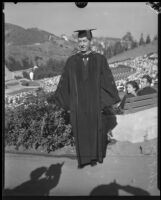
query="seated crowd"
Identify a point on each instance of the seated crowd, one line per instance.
(146, 64)
(133, 89)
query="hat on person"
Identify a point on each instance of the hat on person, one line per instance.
(85, 33)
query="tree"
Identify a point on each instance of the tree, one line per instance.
(26, 63)
(51, 68)
(13, 64)
(109, 52)
(128, 41)
(155, 37)
(25, 74)
(141, 41)
(134, 44)
(118, 48)
(128, 37)
(148, 40)
(50, 63)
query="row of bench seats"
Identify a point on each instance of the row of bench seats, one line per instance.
(139, 103)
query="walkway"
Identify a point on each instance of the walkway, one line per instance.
(59, 176)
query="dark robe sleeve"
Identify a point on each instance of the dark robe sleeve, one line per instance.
(109, 92)
(122, 104)
(62, 94)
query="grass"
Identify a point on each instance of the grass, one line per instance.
(34, 83)
(12, 83)
(29, 83)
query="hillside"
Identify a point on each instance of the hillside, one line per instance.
(17, 35)
(139, 51)
(20, 43)
(32, 42)
(45, 50)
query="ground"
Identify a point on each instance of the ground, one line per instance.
(125, 171)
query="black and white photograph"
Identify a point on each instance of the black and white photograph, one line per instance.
(80, 99)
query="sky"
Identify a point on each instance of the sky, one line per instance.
(113, 19)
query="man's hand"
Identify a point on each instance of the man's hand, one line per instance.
(116, 105)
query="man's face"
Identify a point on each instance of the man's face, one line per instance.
(84, 44)
(144, 83)
(39, 62)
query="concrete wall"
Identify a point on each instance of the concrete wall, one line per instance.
(136, 127)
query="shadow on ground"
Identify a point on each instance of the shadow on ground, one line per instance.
(113, 188)
(42, 180)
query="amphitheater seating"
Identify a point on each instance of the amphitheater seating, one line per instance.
(139, 103)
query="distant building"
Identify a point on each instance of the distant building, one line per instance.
(64, 37)
(37, 43)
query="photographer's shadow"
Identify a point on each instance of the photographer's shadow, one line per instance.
(42, 180)
(113, 188)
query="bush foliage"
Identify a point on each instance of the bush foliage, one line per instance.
(25, 83)
(52, 68)
(26, 75)
(49, 69)
(37, 124)
(14, 65)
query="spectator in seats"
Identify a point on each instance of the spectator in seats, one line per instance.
(146, 86)
(131, 91)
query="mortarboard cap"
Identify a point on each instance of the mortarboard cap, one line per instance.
(85, 33)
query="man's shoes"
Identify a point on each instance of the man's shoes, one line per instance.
(93, 163)
(80, 166)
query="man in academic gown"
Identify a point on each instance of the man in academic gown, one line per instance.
(87, 90)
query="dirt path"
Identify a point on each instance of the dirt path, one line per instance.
(120, 174)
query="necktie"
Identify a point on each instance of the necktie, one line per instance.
(85, 60)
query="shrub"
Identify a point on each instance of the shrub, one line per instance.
(37, 124)
(33, 83)
(17, 77)
(13, 64)
(25, 74)
(25, 83)
(43, 72)
(52, 68)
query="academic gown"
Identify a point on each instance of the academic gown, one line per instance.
(85, 90)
